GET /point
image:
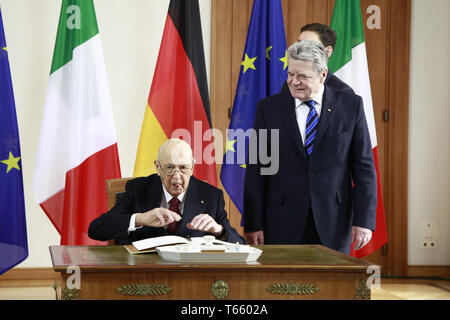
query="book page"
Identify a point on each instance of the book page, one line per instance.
(152, 243)
(158, 241)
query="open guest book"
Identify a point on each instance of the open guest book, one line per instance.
(197, 249)
(150, 244)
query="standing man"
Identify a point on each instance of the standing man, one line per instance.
(325, 189)
(327, 38)
(169, 202)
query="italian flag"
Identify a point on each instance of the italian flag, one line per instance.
(178, 103)
(349, 63)
(77, 148)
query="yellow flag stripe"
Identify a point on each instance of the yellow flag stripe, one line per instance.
(152, 136)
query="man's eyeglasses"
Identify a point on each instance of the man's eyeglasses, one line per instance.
(170, 169)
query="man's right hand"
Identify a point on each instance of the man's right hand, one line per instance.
(157, 217)
(255, 238)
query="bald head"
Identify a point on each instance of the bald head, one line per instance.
(175, 149)
(175, 165)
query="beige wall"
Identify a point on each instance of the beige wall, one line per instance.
(131, 35)
(429, 117)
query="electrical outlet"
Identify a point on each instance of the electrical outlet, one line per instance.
(428, 244)
(428, 234)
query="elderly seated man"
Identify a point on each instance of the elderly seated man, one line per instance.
(172, 201)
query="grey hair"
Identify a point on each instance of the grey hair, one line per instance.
(311, 51)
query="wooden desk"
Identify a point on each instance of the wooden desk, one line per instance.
(285, 272)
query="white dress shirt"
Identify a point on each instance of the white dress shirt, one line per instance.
(302, 111)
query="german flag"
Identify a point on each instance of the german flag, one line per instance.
(179, 96)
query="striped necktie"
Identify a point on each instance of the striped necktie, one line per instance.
(311, 127)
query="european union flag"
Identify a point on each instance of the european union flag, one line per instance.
(13, 232)
(263, 73)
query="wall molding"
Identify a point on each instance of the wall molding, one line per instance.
(29, 277)
(429, 271)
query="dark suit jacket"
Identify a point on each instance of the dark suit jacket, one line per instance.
(144, 194)
(331, 81)
(342, 155)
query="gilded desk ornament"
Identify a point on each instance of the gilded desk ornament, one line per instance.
(220, 289)
(362, 292)
(70, 294)
(143, 289)
(292, 288)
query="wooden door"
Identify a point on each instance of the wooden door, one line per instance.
(388, 59)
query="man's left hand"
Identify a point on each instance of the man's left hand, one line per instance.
(361, 237)
(204, 222)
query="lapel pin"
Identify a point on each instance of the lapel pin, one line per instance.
(329, 110)
(202, 201)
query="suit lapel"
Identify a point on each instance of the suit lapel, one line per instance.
(326, 115)
(290, 119)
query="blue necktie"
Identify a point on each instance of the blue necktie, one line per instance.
(311, 127)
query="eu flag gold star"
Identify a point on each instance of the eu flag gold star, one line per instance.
(229, 145)
(284, 60)
(267, 52)
(11, 162)
(248, 63)
(5, 48)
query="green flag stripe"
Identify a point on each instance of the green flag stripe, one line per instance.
(347, 22)
(77, 24)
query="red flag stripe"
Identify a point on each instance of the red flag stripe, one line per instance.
(175, 85)
(84, 197)
(379, 236)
